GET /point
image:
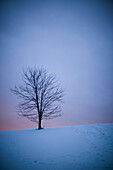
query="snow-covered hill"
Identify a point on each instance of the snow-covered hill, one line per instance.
(61, 148)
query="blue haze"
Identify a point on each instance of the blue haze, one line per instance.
(74, 40)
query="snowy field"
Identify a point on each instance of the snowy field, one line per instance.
(83, 147)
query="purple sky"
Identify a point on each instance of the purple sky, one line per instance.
(74, 40)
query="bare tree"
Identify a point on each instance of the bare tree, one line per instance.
(41, 95)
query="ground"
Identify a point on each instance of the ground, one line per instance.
(61, 148)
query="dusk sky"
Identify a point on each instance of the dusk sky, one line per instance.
(71, 38)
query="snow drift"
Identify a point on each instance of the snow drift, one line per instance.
(60, 148)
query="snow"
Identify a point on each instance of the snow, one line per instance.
(61, 148)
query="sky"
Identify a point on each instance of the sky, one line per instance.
(71, 38)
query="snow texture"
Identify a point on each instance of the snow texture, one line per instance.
(83, 147)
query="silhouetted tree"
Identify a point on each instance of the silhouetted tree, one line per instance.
(41, 95)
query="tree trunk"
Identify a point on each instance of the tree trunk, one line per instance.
(39, 123)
